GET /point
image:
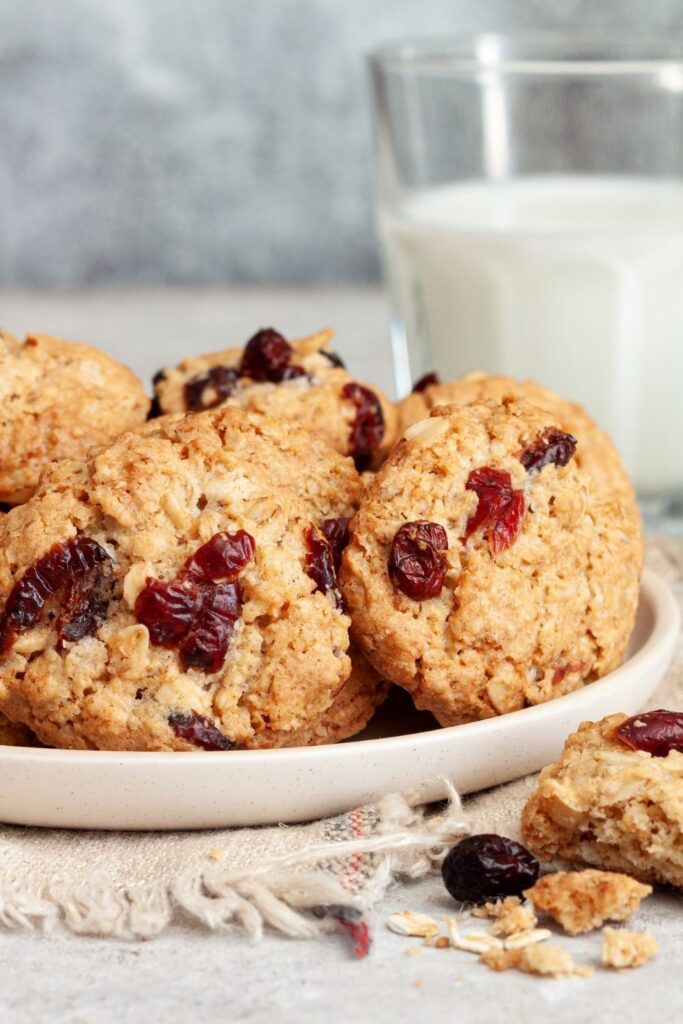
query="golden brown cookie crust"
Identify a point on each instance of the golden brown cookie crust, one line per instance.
(532, 622)
(58, 399)
(151, 499)
(608, 806)
(351, 710)
(595, 452)
(315, 402)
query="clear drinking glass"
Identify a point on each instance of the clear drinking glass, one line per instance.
(530, 206)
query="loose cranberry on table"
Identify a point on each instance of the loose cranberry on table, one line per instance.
(417, 566)
(551, 446)
(488, 867)
(500, 510)
(657, 732)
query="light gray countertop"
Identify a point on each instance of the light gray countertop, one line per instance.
(190, 975)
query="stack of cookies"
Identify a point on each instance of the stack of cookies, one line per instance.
(252, 558)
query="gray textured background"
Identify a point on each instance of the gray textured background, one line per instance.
(214, 141)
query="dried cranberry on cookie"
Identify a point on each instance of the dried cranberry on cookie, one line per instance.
(483, 572)
(303, 381)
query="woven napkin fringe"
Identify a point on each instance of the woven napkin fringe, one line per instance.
(301, 894)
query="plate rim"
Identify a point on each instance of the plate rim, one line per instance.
(664, 633)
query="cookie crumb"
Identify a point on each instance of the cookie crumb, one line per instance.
(582, 900)
(622, 949)
(215, 854)
(510, 916)
(545, 960)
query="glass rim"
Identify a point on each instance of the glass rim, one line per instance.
(546, 52)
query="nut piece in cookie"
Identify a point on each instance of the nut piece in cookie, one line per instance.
(622, 949)
(607, 805)
(582, 900)
(58, 399)
(484, 574)
(303, 381)
(157, 595)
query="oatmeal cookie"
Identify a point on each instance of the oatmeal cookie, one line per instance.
(176, 589)
(483, 573)
(595, 452)
(607, 805)
(304, 382)
(57, 399)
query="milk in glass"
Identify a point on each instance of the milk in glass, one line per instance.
(576, 282)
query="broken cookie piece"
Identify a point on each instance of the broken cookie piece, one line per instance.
(622, 949)
(582, 900)
(608, 805)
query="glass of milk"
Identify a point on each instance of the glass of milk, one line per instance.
(530, 206)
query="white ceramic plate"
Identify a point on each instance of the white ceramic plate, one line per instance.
(401, 749)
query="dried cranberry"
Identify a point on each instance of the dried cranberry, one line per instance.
(221, 380)
(199, 730)
(85, 603)
(550, 446)
(367, 429)
(500, 510)
(206, 644)
(265, 354)
(195, 612)
(333, 358)
(425, 382)
(168, 609)
(319, 562)
(222, 557)
(155, 409)
(76, 559)
(657, 732)
(488, 867)
(337, 533)
(417, 566)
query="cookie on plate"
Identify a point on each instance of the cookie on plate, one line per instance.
(176, 589)
(595, 452)
(482, 573)
(606, 804)
(303, 381)
(57, 399)
(353, 707)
